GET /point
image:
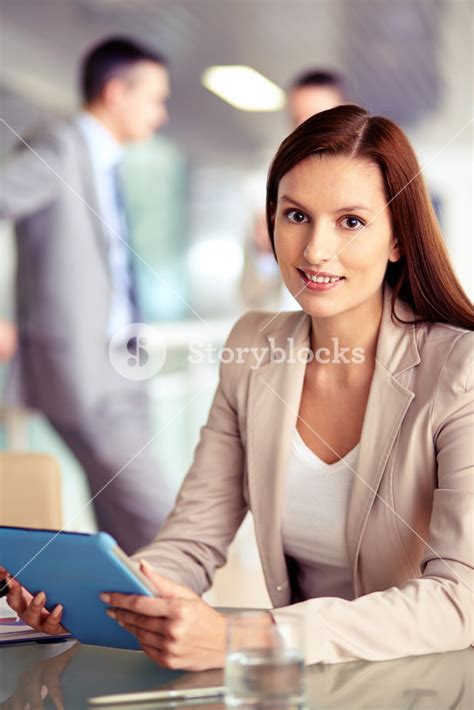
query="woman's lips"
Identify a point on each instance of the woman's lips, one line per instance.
(313, 286)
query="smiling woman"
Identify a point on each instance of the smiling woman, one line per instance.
(323, 246)
(357, 470)
(344, 153)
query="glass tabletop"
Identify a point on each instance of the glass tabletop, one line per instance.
(65, 675)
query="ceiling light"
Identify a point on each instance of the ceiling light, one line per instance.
(244, 88)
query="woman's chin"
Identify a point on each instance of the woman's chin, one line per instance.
(319, 307)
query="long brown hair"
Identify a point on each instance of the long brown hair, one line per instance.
(423, 276)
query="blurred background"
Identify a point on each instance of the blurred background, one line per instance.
(194, 188)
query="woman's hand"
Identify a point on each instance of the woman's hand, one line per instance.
(176, 629)
(31, 610)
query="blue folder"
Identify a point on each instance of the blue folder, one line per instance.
(73, 569)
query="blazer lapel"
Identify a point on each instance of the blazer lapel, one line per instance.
(274, 396)
(388, 403)
(386, 408)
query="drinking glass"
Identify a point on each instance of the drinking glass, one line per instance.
(265, 662)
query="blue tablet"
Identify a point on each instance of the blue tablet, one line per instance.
(73, 569)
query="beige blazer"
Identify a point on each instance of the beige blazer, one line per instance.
(410, 521)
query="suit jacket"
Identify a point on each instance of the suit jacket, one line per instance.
(410, 519)
(63, 284)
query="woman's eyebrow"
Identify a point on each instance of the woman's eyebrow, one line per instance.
(350, 208)
(288, 198)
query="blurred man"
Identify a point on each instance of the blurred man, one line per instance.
(312, 92)
(261, 287)
(76, 289)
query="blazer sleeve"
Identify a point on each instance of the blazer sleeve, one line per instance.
(30, 178)
(433, 613)
(210, 506)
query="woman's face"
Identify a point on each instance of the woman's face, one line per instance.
(331, 221)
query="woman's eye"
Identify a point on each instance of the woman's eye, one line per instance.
(295, 216)
(352, 222)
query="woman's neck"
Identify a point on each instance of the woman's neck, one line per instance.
(344, 345)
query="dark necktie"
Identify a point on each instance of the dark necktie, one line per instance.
(125, 237)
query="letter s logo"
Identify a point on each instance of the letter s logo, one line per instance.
(136, 348)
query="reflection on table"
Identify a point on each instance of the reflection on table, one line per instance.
(65, 675)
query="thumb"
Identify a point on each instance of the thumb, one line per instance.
(164, 586)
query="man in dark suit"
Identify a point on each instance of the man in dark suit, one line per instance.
(75, 284)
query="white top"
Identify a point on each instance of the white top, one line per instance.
(106, 153)
(314, 521)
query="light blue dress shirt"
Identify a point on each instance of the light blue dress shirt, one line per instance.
(106, 153)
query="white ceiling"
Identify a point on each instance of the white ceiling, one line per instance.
(411, 59)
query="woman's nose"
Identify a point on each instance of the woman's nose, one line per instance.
(321, 245)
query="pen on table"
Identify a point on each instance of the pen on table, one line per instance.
(153, 695)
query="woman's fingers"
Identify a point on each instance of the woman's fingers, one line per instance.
(153, 653)
(148, 606)
(162, 658)
(17, 597)
(153, 633)
(156, 624)
(33, 614)
(52, 622)
(31, 610)
(149, 638)
(187, 633)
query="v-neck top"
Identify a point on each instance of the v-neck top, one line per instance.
(314, 520)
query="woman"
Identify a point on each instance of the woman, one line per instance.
(344, 429)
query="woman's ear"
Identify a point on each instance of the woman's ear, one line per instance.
(395, 251)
